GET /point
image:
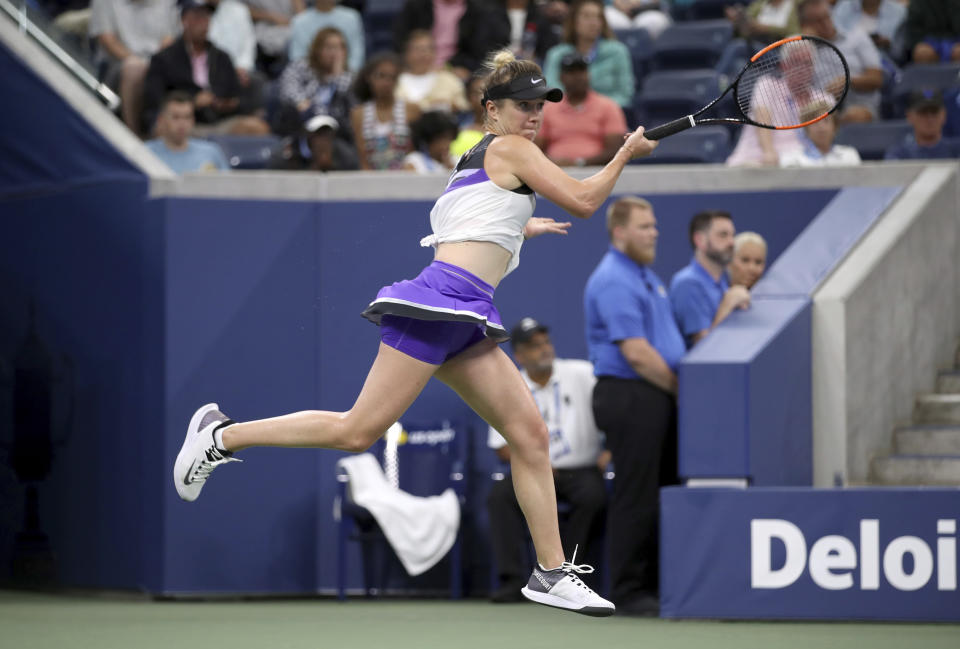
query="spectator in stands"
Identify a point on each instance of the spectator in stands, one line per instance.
(635, 348)
(586, 31)
(320, 83)
(585, 128)
(563, 392)
(271, 24)
(818, 148)
(174, 145)
(651, 15)
(528, 27)
(882, 19)
(764, 21)
(927, 115)
(933, 30)
(862, 103)
(381, 123)
(128, 34)
(461, 31)
(231, 29)
(433, 133)
(471, 129)
(326, 13)
(316, 148)
(425, 85)
(749, 259)
(700, 293)
(195, 65)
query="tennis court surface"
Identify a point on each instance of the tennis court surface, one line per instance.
(43, 621)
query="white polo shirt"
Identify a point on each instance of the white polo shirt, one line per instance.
(566, 404)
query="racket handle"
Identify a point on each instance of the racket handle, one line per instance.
(670, 128)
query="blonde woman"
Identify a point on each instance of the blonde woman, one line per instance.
(443, 324)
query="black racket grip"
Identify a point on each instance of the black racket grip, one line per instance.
(670, 128)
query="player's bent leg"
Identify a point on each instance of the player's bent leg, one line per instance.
(490, 383)
(394, 381)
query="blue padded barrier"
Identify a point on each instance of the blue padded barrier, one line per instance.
(745, 390)
(883, 554)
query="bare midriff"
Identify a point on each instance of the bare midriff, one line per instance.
(485, 259)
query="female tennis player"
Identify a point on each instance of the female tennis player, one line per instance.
(443, 324)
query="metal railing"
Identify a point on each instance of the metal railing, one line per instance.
(33, 24)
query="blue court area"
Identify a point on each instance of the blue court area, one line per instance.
(40, 621)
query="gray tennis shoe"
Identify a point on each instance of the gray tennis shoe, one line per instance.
(562, 588)
(199, 455)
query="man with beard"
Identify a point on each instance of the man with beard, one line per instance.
(700, 293)
(635, 348)
(562, 389)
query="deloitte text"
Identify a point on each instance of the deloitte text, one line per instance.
(833, 559)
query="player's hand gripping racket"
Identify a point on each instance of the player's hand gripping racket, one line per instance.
(788, 84)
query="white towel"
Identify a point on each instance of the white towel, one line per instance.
(420, 530)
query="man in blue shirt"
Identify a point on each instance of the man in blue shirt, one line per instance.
(700, 293)
(927, 115)
(174, 145)
(635, 348)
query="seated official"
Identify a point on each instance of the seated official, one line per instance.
(562, 390)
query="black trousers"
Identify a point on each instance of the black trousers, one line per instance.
(582, 489)
(640, 421)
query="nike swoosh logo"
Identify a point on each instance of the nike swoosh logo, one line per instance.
(186, 478)
(535, 80)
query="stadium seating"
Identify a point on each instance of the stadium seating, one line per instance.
(247, 151)
(735, 55)
(695, 44)
(699, 9)
(916, 77)
(379, 17)
(668, 95)
(640, 44)
(873, 138)
(703, 144)
(425, 462)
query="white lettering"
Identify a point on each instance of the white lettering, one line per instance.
(833, 553)
(762, 533)
(893, 563)
(833, 558)
(946, 556)
(869, 554)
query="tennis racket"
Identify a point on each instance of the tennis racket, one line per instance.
(788, 84)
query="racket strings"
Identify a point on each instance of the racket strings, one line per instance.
(791, 84)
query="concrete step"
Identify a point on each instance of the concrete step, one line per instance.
(914, 470)
(937, 409)
(949, 382)
(927, 440)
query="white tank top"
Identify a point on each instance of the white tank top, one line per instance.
(473, 208)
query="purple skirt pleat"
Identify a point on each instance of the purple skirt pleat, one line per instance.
(441, 291)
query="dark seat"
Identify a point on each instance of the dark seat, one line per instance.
(699, 145)
(942, 76)
(872, 139)
(695, 44)
(640, 44)
(425, 461)
(668, 95)
(247, 151)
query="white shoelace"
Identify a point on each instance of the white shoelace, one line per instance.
(206, 466)
(571, 568)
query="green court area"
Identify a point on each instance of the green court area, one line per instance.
(41, 621)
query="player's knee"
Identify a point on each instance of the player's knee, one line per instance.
(531, 439)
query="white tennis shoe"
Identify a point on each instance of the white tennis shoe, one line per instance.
(562, 588)
(199, 455)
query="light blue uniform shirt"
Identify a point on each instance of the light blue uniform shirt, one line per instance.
(626, 300)
(306, 24)
(695, 297)
(199, 155)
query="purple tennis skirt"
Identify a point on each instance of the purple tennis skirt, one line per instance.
(438, 314)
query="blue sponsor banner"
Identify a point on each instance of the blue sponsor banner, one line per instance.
(797, 553)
